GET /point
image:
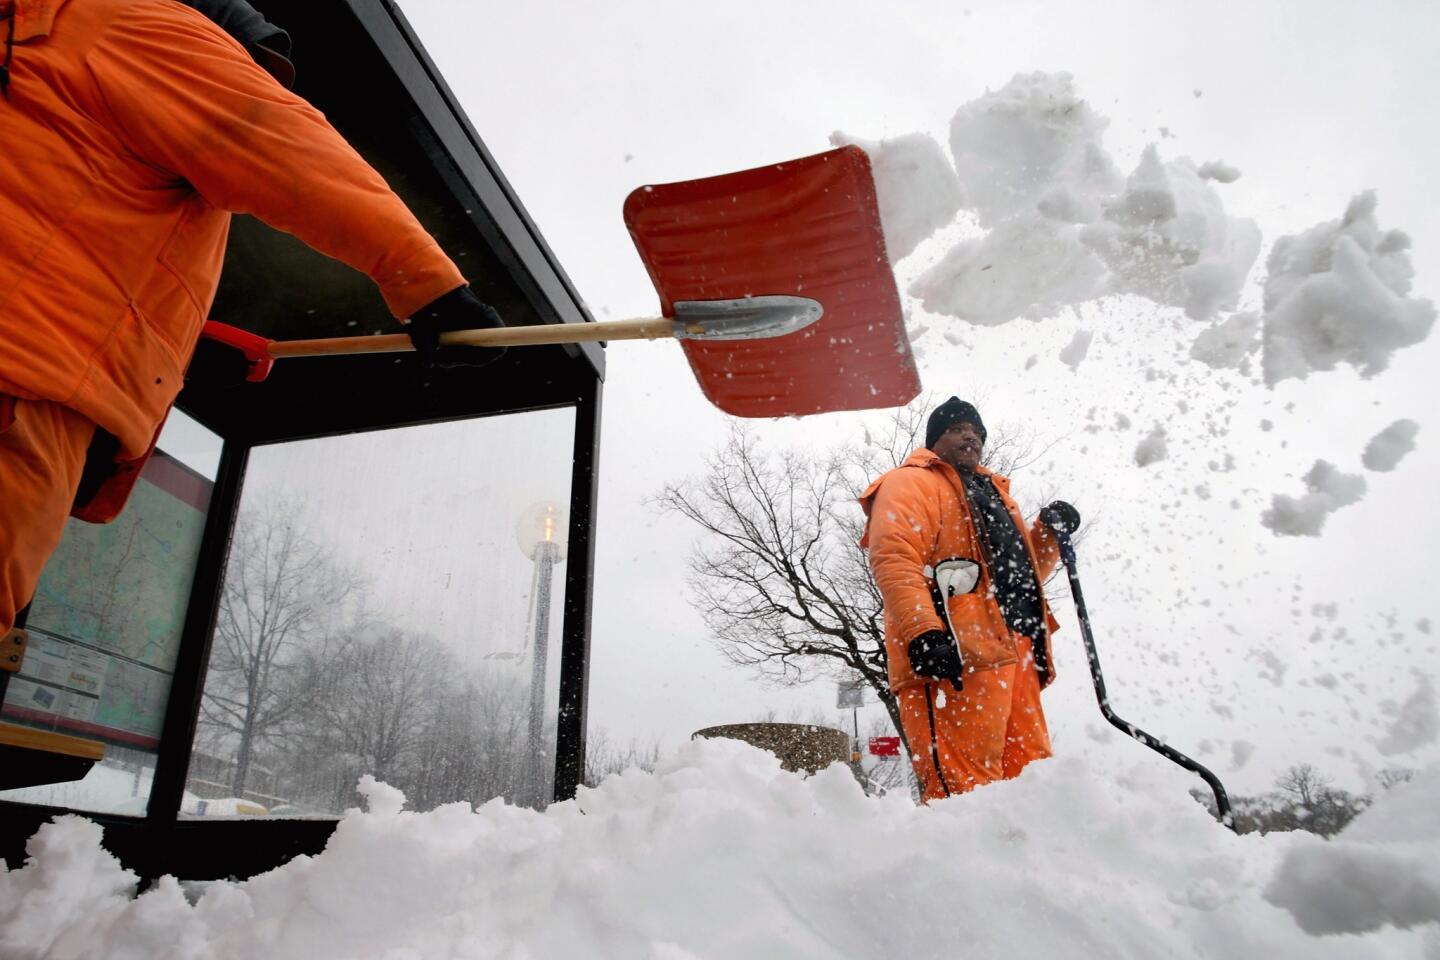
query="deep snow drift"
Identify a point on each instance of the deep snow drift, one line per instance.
(720, 854)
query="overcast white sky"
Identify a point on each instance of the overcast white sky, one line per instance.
(1195, 602)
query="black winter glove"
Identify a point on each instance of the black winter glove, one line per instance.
(1061, 517)
(457, 310)
(933, 655)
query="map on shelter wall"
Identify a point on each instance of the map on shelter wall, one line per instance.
(107, 617)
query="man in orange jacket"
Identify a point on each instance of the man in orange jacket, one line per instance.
(130, 130)
(967, 627)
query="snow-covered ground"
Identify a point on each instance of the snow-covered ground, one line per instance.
(720, 854)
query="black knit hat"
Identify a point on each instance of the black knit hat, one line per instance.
(950, 412)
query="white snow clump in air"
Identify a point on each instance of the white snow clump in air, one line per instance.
(1416, 722)
(1219, 171)
(915, 185)
(1167, 238)
(719, 854)
(1027, 266)
(1329, 491)
(1064, 227)
(1229, 344)
(1388, 447)
(1339, 293)
(1382, 869)
(1152, 448)
(1032, 144)
(1074, 352)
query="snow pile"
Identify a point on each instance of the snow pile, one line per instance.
(1388, 447)
(1384, 868)
(719, 854)
(1329, 491)
(915, 185)
(1062, 226)
(1339, 293)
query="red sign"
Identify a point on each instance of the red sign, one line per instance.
(885, 746)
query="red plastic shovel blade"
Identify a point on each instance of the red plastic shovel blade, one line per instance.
(807, 227)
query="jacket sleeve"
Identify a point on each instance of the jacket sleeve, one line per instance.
(188, 99)
(903, 525)
(1047, 549)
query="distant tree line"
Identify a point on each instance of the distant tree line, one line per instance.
(1303, 799)
(307, 691)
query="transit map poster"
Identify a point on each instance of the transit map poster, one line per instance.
(106, 621)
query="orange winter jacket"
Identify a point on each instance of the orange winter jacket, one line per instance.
(130, 131)
(917, 515)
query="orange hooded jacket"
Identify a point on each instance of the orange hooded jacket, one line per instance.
(130, 131)
(917, 515)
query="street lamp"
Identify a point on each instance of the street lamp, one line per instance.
(541, 534)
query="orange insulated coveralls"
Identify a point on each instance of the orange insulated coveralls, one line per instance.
(130, 130)
(917, 516)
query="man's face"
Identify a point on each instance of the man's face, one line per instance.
(960, 446)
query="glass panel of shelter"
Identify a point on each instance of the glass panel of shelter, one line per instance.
(105, 625)
(392, 606)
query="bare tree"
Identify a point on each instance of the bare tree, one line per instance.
(376, 701)
(281, 589)
(603, 758)
(1303, 784)
(781, 580)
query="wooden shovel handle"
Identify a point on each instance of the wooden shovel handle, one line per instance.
(649, 328)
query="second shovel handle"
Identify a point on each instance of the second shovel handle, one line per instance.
(648, 328)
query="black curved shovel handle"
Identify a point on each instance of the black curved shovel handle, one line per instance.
(1222, 800)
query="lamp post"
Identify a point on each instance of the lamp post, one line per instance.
(541, 534)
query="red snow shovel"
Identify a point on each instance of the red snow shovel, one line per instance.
(808, 227)
(776, 279)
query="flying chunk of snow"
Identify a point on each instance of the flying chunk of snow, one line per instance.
(1339, 293)
(1076, 349)
(1415, 723)
(1229, 343)
(1388, 447)
(1031, 138)
(915, 185)
(1151, 449)
(1329, 490)
(1219, 171)
(1026, 267)
(1167, 237)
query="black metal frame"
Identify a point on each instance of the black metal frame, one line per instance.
(297, 403)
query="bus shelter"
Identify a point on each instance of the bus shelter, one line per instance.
(354, 566)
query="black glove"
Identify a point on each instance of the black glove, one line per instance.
(1061, 517)
(933, 655)
(457, 310)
